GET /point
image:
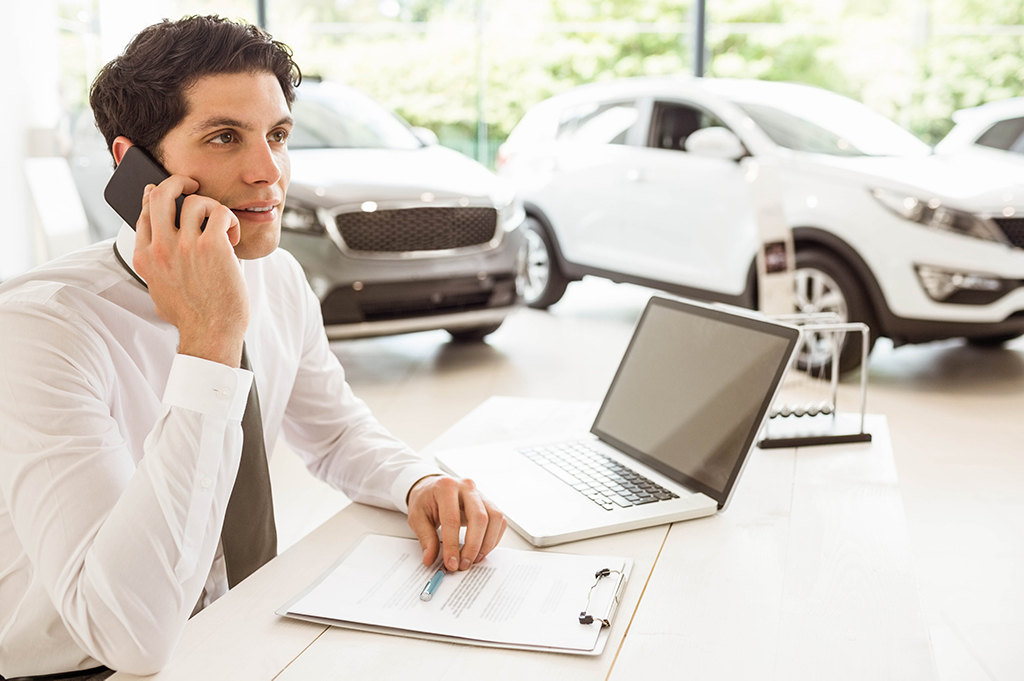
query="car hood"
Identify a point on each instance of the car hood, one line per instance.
(976, 182)
(334, 177)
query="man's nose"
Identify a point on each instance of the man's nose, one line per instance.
(262, 167)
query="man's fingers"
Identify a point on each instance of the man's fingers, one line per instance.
(426, 532)
(476, 523)
(143, 229)
(449, 513)
(451, 504)
(496, 525)
(182, 184)
(197, 211)
(162, 207)
(194, 209)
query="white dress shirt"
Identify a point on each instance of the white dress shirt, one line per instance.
(117, 455)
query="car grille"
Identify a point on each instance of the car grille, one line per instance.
(417, 229)
(1013, 228)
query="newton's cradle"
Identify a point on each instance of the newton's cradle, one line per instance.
(805, 411)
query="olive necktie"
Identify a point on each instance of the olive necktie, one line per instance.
(249, 535)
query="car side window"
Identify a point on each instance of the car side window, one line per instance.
(1008, 135)
(605, 123)
(672, 123)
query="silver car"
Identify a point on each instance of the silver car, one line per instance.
(395, 233)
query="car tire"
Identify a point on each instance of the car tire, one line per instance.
(544, 283)
(824, 283)
(472, 335)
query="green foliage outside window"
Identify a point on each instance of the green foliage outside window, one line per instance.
(915, 62)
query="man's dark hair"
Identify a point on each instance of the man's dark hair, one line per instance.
(141, 94)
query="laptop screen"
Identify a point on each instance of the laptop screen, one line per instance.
(692, 391)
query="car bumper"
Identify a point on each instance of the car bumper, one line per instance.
(449, 322)
(903, 330)
(404, 300)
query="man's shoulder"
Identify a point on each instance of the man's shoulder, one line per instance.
(88, 272)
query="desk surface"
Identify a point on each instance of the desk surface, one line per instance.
(807, 574)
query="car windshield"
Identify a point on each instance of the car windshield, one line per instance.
(342, 118)
(834, 125)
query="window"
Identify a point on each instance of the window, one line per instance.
(347, 120)
(1008, 135)
(673, 123)
(826, 123)
(608, 123)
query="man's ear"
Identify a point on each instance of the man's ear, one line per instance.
(121, 144)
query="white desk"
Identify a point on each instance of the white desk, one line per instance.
(807, 575)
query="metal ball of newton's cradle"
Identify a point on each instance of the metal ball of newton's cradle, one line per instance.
(809, 409)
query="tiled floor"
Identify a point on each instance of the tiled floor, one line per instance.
(956, 415)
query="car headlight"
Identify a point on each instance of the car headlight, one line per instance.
(299, 218)
(936, 216)
(512, 215)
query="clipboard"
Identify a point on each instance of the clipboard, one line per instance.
(524, 600)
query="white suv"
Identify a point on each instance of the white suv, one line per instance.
(643, 181)
(996, 125)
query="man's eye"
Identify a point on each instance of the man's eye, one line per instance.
(279, 135)
(225, 138)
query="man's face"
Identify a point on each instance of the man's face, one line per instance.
(233, 143)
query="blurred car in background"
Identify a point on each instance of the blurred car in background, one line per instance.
(646, 181)
(395, 233)
(996, 125)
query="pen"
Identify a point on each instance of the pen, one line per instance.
(431, 587)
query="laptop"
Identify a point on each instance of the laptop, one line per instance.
(669, 442)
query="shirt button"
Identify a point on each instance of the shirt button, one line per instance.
(206, 482)
(225, 393)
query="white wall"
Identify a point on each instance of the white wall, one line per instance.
(32, 106)
(32, 115)
(120, 20)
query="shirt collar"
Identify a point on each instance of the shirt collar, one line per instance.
(124, 245)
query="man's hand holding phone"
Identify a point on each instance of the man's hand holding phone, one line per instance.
(193, 275)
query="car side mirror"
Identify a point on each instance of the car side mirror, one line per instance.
(716, 142)
(425, 135)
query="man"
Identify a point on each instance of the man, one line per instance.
(121, 398)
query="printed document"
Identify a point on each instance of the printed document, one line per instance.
(512, 598)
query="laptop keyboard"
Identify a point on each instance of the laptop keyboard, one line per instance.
(597, 476)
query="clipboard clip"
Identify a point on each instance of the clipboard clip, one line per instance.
(585, 616)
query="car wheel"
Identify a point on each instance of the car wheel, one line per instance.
(473, 335)
(993, 341)
(825, 284)
(544, 282)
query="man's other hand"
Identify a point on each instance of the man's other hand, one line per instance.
(448, 503)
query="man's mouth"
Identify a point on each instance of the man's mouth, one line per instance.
(257, 213)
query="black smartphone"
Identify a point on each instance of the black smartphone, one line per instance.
(124, 191)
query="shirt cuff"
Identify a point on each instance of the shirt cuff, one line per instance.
(207, 387)
(406, 479)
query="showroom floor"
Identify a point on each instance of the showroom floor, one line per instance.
(955, 415)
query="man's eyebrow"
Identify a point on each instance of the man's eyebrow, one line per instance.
(213, 123)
